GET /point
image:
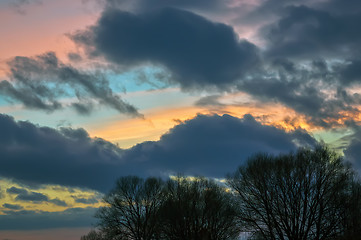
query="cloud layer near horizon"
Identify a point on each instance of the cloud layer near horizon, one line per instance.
(206, 145)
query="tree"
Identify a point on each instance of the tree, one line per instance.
(351, 212)
(295, 196)
(131, 209)
(198, 209)
(93, 235)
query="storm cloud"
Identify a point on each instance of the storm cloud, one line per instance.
(214, 145)
(197, 52)
(42, 155)
(206, 145)
(210, 6)
(309, 60)
(307, 32)
(30, 220)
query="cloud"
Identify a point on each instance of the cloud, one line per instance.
(15, 190)
(206, 145)
(31, 220)
(317, 89)
(66, 156)
(350, 72)
(212, 100)
(25, 195)
(32, 197)
(339, 6)
(197, 52)
(149, 5)
(19, 6)
(58, 202)
(86, 200)
(306, 32)
(353, 150)
(12, 206)
(211, 57)
(214, 145)
(39, 82)
(310, 58)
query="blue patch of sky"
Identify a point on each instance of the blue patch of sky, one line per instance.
(138, 79)
(3, 101)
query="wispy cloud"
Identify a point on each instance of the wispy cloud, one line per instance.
(39, 82)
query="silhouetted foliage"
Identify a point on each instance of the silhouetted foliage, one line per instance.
(307, 195)
(296, 196)
(132, 209)
(351, 212)
(198, 209)
(93, 235)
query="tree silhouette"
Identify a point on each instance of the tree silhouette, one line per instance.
(295, 196)
(198, 209)
(93, 235)
(306, 195)
(351, 212)
(132, 209)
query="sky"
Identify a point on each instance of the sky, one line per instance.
(92, 90)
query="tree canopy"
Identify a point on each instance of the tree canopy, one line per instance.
(309, 194)
(302, 195)
(198, 209)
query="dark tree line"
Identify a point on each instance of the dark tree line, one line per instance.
(310, 194)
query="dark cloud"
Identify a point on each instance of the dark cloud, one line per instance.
(28, 98)
(32, 197)
(206, 145)
(15, 190)
(74, 57)
(340, 6)
(149, 5)
(214, 145)
(350, 72)
(12, 206)
(316, 89)
(39, 82)
(83, 108)
(67, 156)
(31, 220)
(25, 195)
(306, 32)
(86, 200)
(353, 150)
(196, 51)
(188, 4)
(210, 56)
(58, 202)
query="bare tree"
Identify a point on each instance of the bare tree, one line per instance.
(351, 212)
(295, 196)
(93, 235)
(198, 209)
(131, 209)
